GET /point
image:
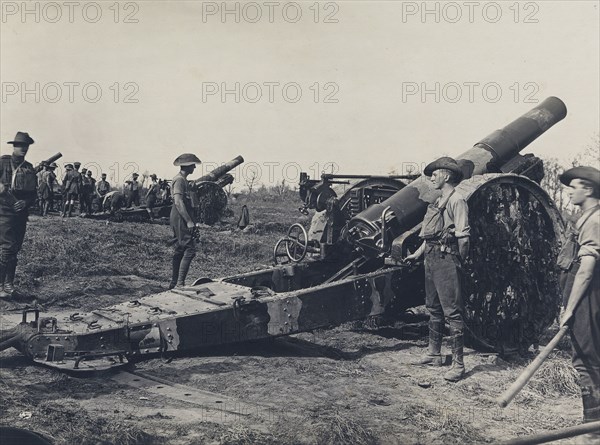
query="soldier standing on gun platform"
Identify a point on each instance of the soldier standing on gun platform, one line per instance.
(18, 183)
(582, 312)
(182, 221)
(445, 231)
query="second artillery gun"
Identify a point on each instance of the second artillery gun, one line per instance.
(349, 267)
(209, 200)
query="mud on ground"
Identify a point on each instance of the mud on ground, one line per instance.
(351, 384)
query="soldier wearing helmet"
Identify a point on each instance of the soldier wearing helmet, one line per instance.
(182, 219)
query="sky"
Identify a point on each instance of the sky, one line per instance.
(360, 87)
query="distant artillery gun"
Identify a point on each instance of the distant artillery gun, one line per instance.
(209, 200)
(355, 270)
(208, 197)
(48, 162)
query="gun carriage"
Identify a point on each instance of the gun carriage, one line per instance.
(349, 266)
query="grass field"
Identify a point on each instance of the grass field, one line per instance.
(350, 384)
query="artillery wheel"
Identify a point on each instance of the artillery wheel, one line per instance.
(280, 255)
(511, 288)
(297, 243)
(211, 204)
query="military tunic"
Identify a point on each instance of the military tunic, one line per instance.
(185, 239)
(19, 181)
(585, 331)
(443, 270)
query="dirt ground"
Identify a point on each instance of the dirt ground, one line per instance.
(350, 384)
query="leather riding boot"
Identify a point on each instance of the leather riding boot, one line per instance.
(185, 266)
(457, 371)
(70, 210)
(11, 267)
(433, 356)
(177, 257)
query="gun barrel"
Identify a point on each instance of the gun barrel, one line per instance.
(53, 158)
(48, 161)
(215, 174)
(486, 156)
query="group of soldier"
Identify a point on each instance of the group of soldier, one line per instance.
(445, 232)
(80, 187)
(21, 185)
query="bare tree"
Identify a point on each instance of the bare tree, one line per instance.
(590, 155)
(229, 188)
(551, 182)
(281, 188)
(553, 168)
(251, 180)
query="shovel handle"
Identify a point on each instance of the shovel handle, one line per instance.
(526, 375)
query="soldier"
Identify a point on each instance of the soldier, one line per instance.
(71, 187)
(102, 186)
(445, 231)
(46, 188)
(113, 201)
(84, 192)
(181, 220)
(134, 187)
(90, 192)
(152, 194)
(582, 312)
(18, 183)
(165, 192)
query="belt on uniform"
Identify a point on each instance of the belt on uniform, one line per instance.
(444, 248)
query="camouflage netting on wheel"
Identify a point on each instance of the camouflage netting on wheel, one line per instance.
(211, 204)
(512, 283)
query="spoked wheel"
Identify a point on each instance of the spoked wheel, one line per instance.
(280, 255)
(297, 243)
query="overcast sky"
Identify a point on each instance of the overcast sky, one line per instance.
(346, 89)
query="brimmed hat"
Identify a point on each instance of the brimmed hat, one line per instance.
(445, 163)
(22, 139)
(588, 173)
(186, 159)
(68, 166)
(135, 175)
(53, 165)
(89, 173)
(153, 176)
(76, 164)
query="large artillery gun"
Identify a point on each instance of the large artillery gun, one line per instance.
(348, 268)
